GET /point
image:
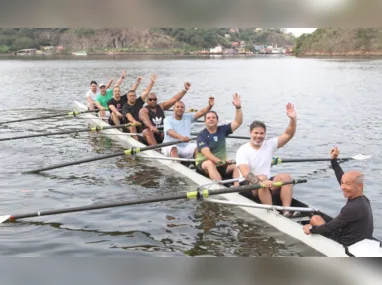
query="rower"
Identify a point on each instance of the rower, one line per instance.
(254, 160)
(131, 109)
(355, 221)
(152, 115)
(211, 160)
(178, 127)
(117, 102)
(105, 95)
(91, 94)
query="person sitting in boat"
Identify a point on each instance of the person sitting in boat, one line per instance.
(117, 102)
(254, 160)
(178, 127)
(211, 160)
(355, 221)
(105, 95)
(152, 116)
(91, 94)
(130, 110)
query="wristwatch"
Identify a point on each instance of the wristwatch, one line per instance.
(237, 108)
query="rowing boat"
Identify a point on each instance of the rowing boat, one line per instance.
(291, 226)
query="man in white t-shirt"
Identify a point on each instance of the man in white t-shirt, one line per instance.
(254, 160)
(178, 127)
(91, 95)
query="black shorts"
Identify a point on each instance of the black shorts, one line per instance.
(122, 121)
(158, 137)
(221, 169)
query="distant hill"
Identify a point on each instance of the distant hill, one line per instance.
(132, 39)
(330, 41)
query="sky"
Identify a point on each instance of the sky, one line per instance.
(299, 31)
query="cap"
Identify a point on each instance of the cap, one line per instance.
(102, 85)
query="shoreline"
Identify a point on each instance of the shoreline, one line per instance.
(124, 54)
(358, 53)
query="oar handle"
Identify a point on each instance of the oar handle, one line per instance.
(277, 160)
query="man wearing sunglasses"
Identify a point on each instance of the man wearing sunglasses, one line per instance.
(152, 115)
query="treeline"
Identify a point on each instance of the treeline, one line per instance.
(208, 38)
(15, 39)
(339, 41)
(129, 38)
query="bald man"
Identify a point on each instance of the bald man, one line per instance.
(355, 221)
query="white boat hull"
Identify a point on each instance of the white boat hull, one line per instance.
(290, 227)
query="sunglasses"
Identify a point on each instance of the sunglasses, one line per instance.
(152, 99)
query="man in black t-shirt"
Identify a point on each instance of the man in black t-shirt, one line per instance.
(130, 110)
(115, 106)
(355, 221)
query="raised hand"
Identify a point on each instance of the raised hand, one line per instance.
(139, 79)
(187, 86)
(334, 152)
(236, 100)
(290, 111)
(211, 101)
(123, 75)
(154, 78)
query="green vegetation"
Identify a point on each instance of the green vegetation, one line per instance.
(128, 39)
(330, 41)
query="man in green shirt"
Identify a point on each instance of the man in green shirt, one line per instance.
(105, 95)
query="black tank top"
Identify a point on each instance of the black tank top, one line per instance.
(157, 118)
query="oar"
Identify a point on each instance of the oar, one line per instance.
(74, 113)
(198, 194)
(277, 160)
(131, 151)
(230, 136)
(90, 129)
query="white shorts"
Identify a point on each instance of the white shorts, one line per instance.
(107, 115)
(185, 150)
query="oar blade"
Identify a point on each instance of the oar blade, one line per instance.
(361, 157)
(4, 218)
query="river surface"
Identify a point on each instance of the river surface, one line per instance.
(337, 103)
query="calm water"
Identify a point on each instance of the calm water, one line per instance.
(337, 103)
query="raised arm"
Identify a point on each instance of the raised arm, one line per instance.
(109, 84)
(146, 92)
(284, 138)
(123, 75)
(136, 83)
(170, 102)
(239, 113)
(336, 167)
(203, 111)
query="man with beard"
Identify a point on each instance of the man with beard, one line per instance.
(152, 116)
(254, 161)
(130, 110)
(211, 159)
(117, 102)
(178, 127)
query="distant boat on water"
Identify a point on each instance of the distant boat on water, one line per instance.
(80, 53)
